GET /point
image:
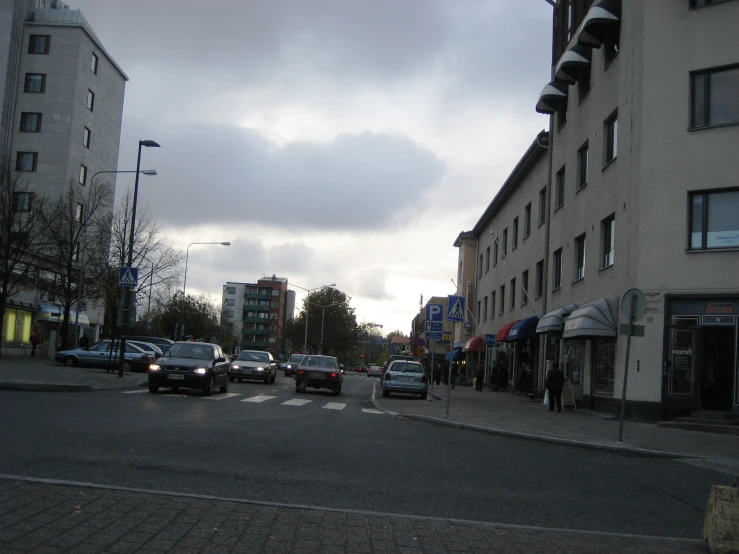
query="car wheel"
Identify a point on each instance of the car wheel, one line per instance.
(232, 379)
(337, 390)
(274, 378)
(385, 393)
(208, 390)
(224, 388)
(424, 396)
(241, 380)
(300, 386)
(175, 389)
(70, 361)
(153, 388)
(126, 366)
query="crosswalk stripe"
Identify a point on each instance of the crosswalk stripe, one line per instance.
(297, 402)
(334, 406)
(134, 391)
(222, 396)
(259, 398)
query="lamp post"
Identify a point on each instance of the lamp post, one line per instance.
(181, 329)
(307, 306)
(84, 248)
(127, 293)
(323, 317)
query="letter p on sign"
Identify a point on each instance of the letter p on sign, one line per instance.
(434, 312)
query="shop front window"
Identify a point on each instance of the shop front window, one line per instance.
(604, 358)
(574, 361)
(682, 362)
(16, 327)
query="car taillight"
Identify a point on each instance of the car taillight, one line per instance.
(387, 377)
(334, 375)
(301, 372)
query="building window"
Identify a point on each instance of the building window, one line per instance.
(90, 100)
(478, 311)
(703, 3)
(26, 161)
(582, 166)
(714, 97)
(231, 302)
(229, 313)
(610, 137)
(479, 268)
(485, 309)
(502, 299)
(542, 205)
(86, 137)
(275, 292)
(79, 213)
(559, 189)
(273, 316)
(557, 269)
(83, 175)
(23, 201)
(514, 238)
(94, 63)
(230, 290)
(487, 259)
(527, 220)
(714, 219)
(608, 241)
(495, 253)
(583, 79)
(604, 358)
(580, 257)
(76, 252)
(513, 294)
(540, 278)
(30, 122)
(275, 304)
(272, 340)
(39, 44)
(35, 82)
(505, 242)
(562, 114)
(492, 305)
(525, 287)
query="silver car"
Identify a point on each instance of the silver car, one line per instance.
(150, 347)
(374, 371)
(406, 377)
(100, 354)
(253, 364)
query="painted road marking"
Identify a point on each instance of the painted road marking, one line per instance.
(259, 398)
(334, 406)
(134, 391)
(297, 402)
(371, 411)
(222, 396)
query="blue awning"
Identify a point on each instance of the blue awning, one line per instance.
(524, 329)
(455, 355)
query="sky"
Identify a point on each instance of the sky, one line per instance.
(330, 141)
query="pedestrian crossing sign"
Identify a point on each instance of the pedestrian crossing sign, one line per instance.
(456, 308)
(128, 277)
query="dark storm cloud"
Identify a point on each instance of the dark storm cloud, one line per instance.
(227, 175)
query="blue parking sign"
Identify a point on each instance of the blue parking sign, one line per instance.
(435, 312)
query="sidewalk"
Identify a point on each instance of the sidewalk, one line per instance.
(507, 413)
(42, 374)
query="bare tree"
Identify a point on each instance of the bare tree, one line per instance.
(77, 220)
(21, 234)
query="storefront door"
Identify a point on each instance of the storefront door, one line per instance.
(682, 372)
(718, 358)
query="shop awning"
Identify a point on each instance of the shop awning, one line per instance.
(595, 319)
(571, 63)
(502, 335)
(55, 312)
(524, 329)
(554, 320)
(455, 355)
(552, 97)
(475, 344)
(602, 18)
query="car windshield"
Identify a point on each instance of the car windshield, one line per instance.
(295, 359)
(406, 367)
(195, 351)
(321, 362)
(253, 357)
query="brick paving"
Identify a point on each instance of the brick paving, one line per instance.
(49, 518)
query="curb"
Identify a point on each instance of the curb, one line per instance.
(45, 387)
(645, 452)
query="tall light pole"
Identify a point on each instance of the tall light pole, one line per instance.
(323, 317)
(181, 330)
(84, 248)
(307, 306)
(128, 294)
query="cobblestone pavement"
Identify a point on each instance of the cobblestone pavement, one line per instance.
(44, 517)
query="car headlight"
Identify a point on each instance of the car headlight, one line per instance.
(289, 366)
(201, 371)
(154, 367)
(234, 366)
(260, 369)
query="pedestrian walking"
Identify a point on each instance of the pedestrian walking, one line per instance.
(555, 382)
(437, 374)
(35, 339)
(455, 372)
(479, 375)
(84, 343)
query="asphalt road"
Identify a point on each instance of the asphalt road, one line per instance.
(337, 452)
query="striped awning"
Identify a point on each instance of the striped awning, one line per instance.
(55, 312)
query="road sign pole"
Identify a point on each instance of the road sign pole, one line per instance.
(431, 371)
(449, 374)
(632, 311)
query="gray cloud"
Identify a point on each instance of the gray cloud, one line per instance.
(232, 175)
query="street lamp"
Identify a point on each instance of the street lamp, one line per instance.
(323, 316)
(181, 330)
(84, 248)
(307, 306)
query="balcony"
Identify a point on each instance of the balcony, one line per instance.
(256, 308)
(256, 296)
(246, 319)
(254, 344)
(248, 331)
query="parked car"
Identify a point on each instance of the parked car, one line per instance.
(100, 354)
(407, 377)
(292, 364)
(319, 372)
(374, 371)
(253, 364)
(192, 365)
(153, 349)
(161, 342)
(342, 368)
(394, 357)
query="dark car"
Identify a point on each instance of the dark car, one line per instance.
(292, 364)
(161, 342)
(192, 365)
(253, 364)
(319, 372)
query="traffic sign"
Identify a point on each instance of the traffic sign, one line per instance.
(636, 330)
(435, 312)
(420, 342)
(489, 339)
(434, 327)
(456, 308)
(635, 298)
(128, 277)
(420, 351)
(430, 335)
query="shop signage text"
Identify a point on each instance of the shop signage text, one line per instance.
(719, 308)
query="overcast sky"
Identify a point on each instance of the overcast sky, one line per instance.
(331, 141)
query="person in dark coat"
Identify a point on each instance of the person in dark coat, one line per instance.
(479, 374)
(84, 343)
(35, 340)
(455, 372)
(555, 382)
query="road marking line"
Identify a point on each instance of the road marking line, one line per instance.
(222, 396)
(134, 391)
(297, 402)
(334, 406)
(259, 398)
